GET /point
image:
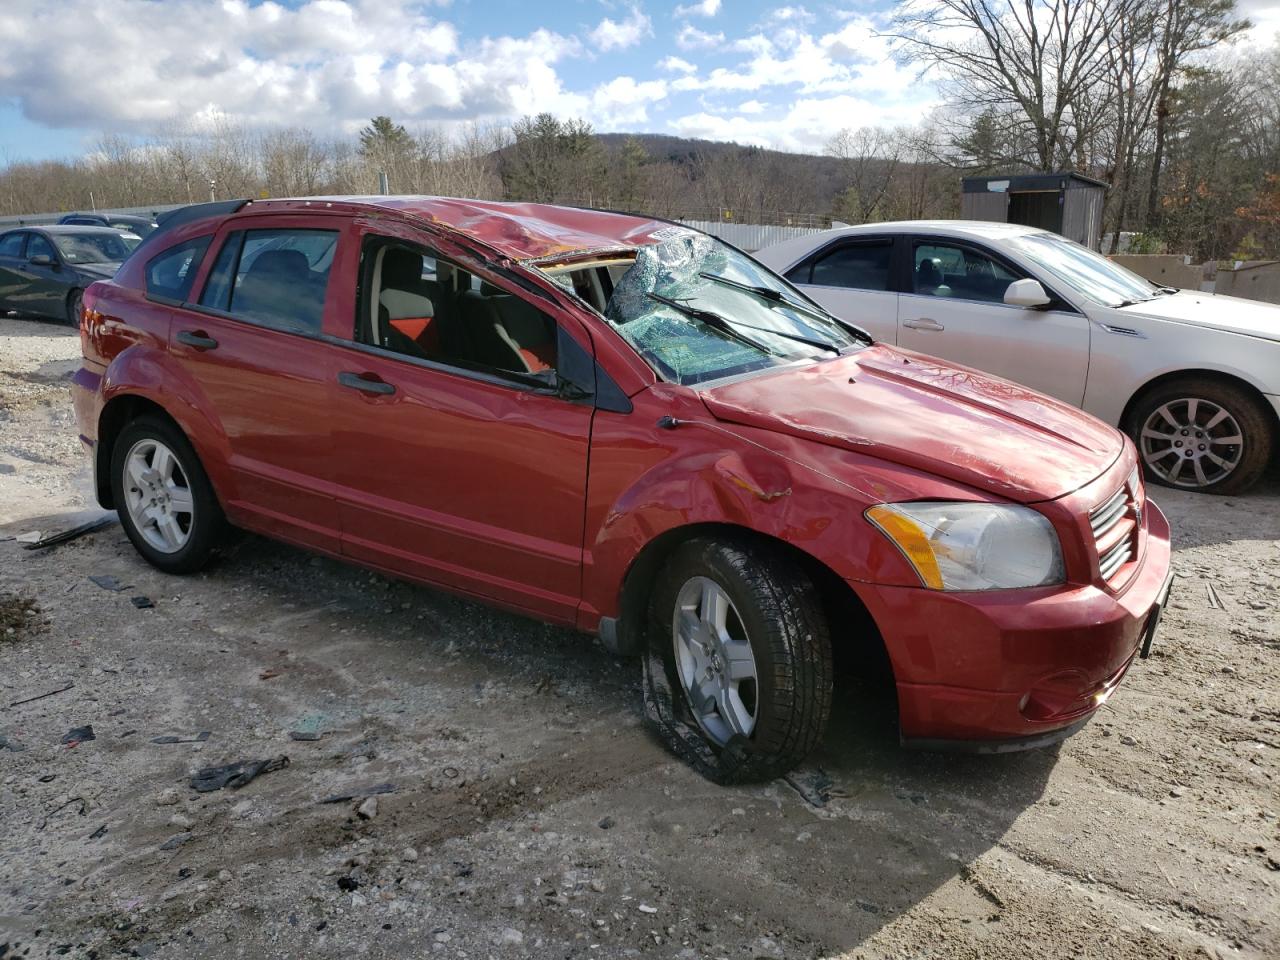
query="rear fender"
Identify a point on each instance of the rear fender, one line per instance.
(150, 373)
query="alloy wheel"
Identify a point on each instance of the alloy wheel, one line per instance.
(714, 659)
(158, 496)
(1191, 442)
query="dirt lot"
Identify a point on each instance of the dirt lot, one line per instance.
(531, 814)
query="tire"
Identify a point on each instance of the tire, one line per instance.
(773, 611)
(1180, 427)
(75, 301)
(176, 539)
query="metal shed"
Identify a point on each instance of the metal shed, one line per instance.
(1066, 203)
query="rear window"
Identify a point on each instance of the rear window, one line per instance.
(171, 273)
(11, 244)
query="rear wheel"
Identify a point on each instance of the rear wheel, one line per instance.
(1201, 434)
(738, 633)
(164, 498)
(75, 304)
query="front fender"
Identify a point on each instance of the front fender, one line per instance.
(808, 495)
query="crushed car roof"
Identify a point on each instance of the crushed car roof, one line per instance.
(521, 231)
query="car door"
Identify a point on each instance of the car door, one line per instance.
(248, 331)
(853, 278)
(455, 462)
(954, 308)
(12, 257)
(47, 283)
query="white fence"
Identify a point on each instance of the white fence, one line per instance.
(751, 236)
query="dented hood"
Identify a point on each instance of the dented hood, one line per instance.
(920, 412)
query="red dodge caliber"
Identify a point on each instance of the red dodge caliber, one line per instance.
(629, 427)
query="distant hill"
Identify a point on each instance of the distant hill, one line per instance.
(821, 175)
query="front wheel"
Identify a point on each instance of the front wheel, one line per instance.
(1201, 434)
(166, 504)
(739, 679)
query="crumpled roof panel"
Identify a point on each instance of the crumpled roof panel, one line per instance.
(521, 231)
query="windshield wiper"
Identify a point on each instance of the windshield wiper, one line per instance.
(1130, 302)
(731, 327)
(777, 296)
(712, 320)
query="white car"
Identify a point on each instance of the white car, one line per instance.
(1194, 378)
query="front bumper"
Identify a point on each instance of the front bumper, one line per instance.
(1005, 670)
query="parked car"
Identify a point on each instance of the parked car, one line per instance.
(45, 270)
(142, 226)
(1193, 378)
(629, 427)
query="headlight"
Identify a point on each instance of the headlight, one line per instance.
(973, 546)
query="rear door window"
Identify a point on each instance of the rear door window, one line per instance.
(171, 273)
(855, 266)
(274, 278)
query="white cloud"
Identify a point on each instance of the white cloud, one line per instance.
(676, 65)
(752, 106)
(691, 38)
(624, 101)
(854, 59)
(620, 34)
(807, 125)
(326, 64)
(704, 8)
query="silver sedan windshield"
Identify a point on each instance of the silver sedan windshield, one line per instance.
(1095, 276)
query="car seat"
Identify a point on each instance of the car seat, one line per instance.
(929, 278)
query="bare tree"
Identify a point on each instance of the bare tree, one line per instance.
(1037, 62)
(869, 157)
(1185, 27)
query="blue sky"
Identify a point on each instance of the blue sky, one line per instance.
(783, 75)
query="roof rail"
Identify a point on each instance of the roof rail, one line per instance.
(195, 211)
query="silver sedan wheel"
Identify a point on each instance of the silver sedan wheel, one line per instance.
(158, 496)
(1191, 442)
(714, 659)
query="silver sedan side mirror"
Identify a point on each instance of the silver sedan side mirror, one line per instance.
(1026, 293)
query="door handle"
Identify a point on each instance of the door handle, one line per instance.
(924, 323)
(197, 339)
(363, 383)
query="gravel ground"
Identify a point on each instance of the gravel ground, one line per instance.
(529, 812)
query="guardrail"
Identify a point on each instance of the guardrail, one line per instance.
(39, 219)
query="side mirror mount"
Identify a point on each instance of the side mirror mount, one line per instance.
(42, 260)
(1026, 293)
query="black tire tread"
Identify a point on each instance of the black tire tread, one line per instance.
(796, 634)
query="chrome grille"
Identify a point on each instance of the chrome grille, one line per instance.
(1115, 528)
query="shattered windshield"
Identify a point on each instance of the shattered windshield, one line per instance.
(699, 310)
